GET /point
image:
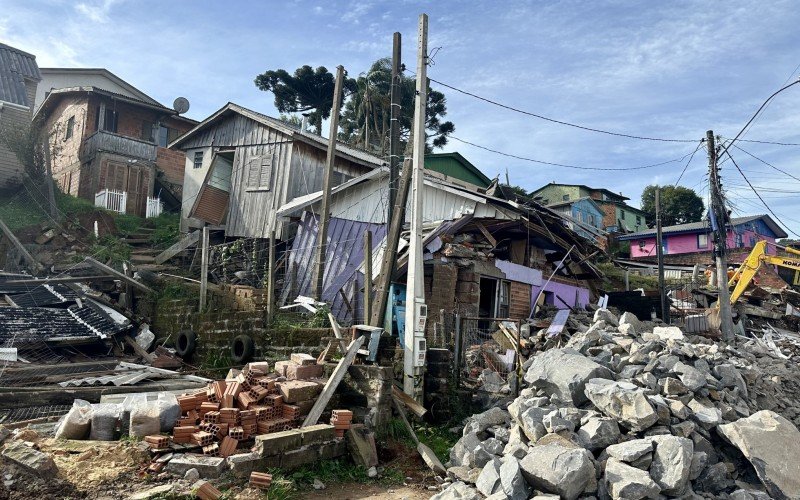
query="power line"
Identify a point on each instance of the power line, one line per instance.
(756, 191)
(560, 122)
(688, 162)
(765, 162)
(565, 165)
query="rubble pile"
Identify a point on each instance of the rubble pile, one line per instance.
(625, 411)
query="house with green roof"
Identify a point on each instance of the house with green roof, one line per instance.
(453, 166)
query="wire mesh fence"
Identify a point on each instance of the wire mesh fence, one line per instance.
(487, 354)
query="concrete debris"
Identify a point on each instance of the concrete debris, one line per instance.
(28, 458)
(624, 409)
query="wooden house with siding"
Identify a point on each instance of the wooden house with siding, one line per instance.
(19, 78)
(241, 166)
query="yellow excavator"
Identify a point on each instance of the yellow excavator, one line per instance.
(758, 256)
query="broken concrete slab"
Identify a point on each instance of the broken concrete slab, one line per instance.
(563, 373)
(361, 443)
(556, 469)
(769, 442)
(208, 467)
(30, 459)
(622, 401)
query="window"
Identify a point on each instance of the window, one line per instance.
(638, 220)
(198, 159)
(565, 197)
(110, 120)
(503, 294)
(147, 131)
(622, 214)
(739, 241)
(702, 241)
(259, 173)
(591, 219)
(70, 126)
(752, 241)
(166, 135)
(641, 244)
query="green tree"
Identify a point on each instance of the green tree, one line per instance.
(365, 119)
(307, 90)
(679, 205)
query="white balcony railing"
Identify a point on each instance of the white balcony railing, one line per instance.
(154, 207)
(111, 200)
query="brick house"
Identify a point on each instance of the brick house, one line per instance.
(618, 216)
(102, 140)
(19, 78)
(689, 244)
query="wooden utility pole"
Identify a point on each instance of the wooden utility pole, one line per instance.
(271, 278)
(322, 235)
(415, 292)
(51, 195)
(719, 223)
(395, 110)
(367, 276)
(660, 254)
(204, 269)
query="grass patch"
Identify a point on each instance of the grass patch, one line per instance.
(110, 248)
(20, 211)
(615, 278)
(173, 290)
(438, 439)
(286, 486)
(167, 230)
(127, 224)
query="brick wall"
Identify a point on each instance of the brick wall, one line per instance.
(65, 158)
(172, 164)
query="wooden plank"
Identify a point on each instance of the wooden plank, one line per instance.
(486, 234)
(182, 244)
(119, 275)
(416, 408)
(138, 349)
(367, 276)
(28, 257)
(333, 382)
(204, 270)
(67, 279)
(337, 331)
(430, 458)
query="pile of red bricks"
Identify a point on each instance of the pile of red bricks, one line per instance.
(260, 480)
(341, 420)
(207, 491)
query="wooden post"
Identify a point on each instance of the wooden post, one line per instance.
(367, 276)
(322, 235)
(415, 293)
(110, 270)
(204, 269)
(660, 255)
(35, 265)
(271, 278)
(395, 97)
(51, 195)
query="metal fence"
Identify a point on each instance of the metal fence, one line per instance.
(486, 351)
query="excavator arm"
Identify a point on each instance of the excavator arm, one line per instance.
(744, 275)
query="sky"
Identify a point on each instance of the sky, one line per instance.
(655, 69)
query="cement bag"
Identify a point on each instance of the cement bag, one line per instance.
(127, 405)
(144, 418)
(105, 420)
(169, 410)
(75, 424)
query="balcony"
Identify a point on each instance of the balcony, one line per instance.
(103, 141)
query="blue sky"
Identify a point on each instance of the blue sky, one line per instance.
(662, 69)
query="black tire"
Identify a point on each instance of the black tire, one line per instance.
(185, 343)
(242, 349)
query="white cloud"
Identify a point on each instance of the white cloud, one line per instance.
(97, 11)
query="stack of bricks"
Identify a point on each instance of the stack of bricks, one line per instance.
(260, 480)
(341, 420)
(157, 441)
(299, 367)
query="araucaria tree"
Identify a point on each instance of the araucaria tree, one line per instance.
(679, 205)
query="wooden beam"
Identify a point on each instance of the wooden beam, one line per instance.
(416, 408)
(25, 254)
(337, 331)
(117, 274)
(204, 270)
(333, 382)
(181, 245)
(271, 278)
(430, 458)
(67, 279)
(138, 349)
(367, 276)
(486, 234)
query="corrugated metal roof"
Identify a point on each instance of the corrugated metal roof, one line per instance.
(26, 325)
(15, 67)
(705, 225)
(45, 295)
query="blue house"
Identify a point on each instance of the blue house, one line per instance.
(584, 216)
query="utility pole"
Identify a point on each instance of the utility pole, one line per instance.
(322, 235)
(660, 254)
(367, 276)
(395, 110)
(719, 223)
(414, 337)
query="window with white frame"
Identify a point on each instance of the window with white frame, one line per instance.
(259, 173)
(503, 299)
(198, 159)
(702, 241)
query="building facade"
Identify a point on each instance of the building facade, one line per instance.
(584, 216)
(19, 79)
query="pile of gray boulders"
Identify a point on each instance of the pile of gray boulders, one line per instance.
(628, 411)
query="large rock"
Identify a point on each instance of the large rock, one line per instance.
(605, 315)
(730, 376)
(630, 451)
(664, 333)
(531, 423)
(691, 377)
(555, 469)
(463, 452)
(488, 481)
(622, 401)
(628, 483)
(514, 485)
(598, 432)
(628, 318)
(33, 460)
(482, 421)
(458, 491)
(706, 416)
(564, 373)
(770, 443)
(672, 462)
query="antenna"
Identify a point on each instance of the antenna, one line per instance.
(181, 105)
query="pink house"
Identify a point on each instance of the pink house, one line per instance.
(693, 243)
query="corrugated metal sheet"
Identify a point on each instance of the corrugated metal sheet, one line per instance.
(26, 325)
(344, 256)
(15, 67)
